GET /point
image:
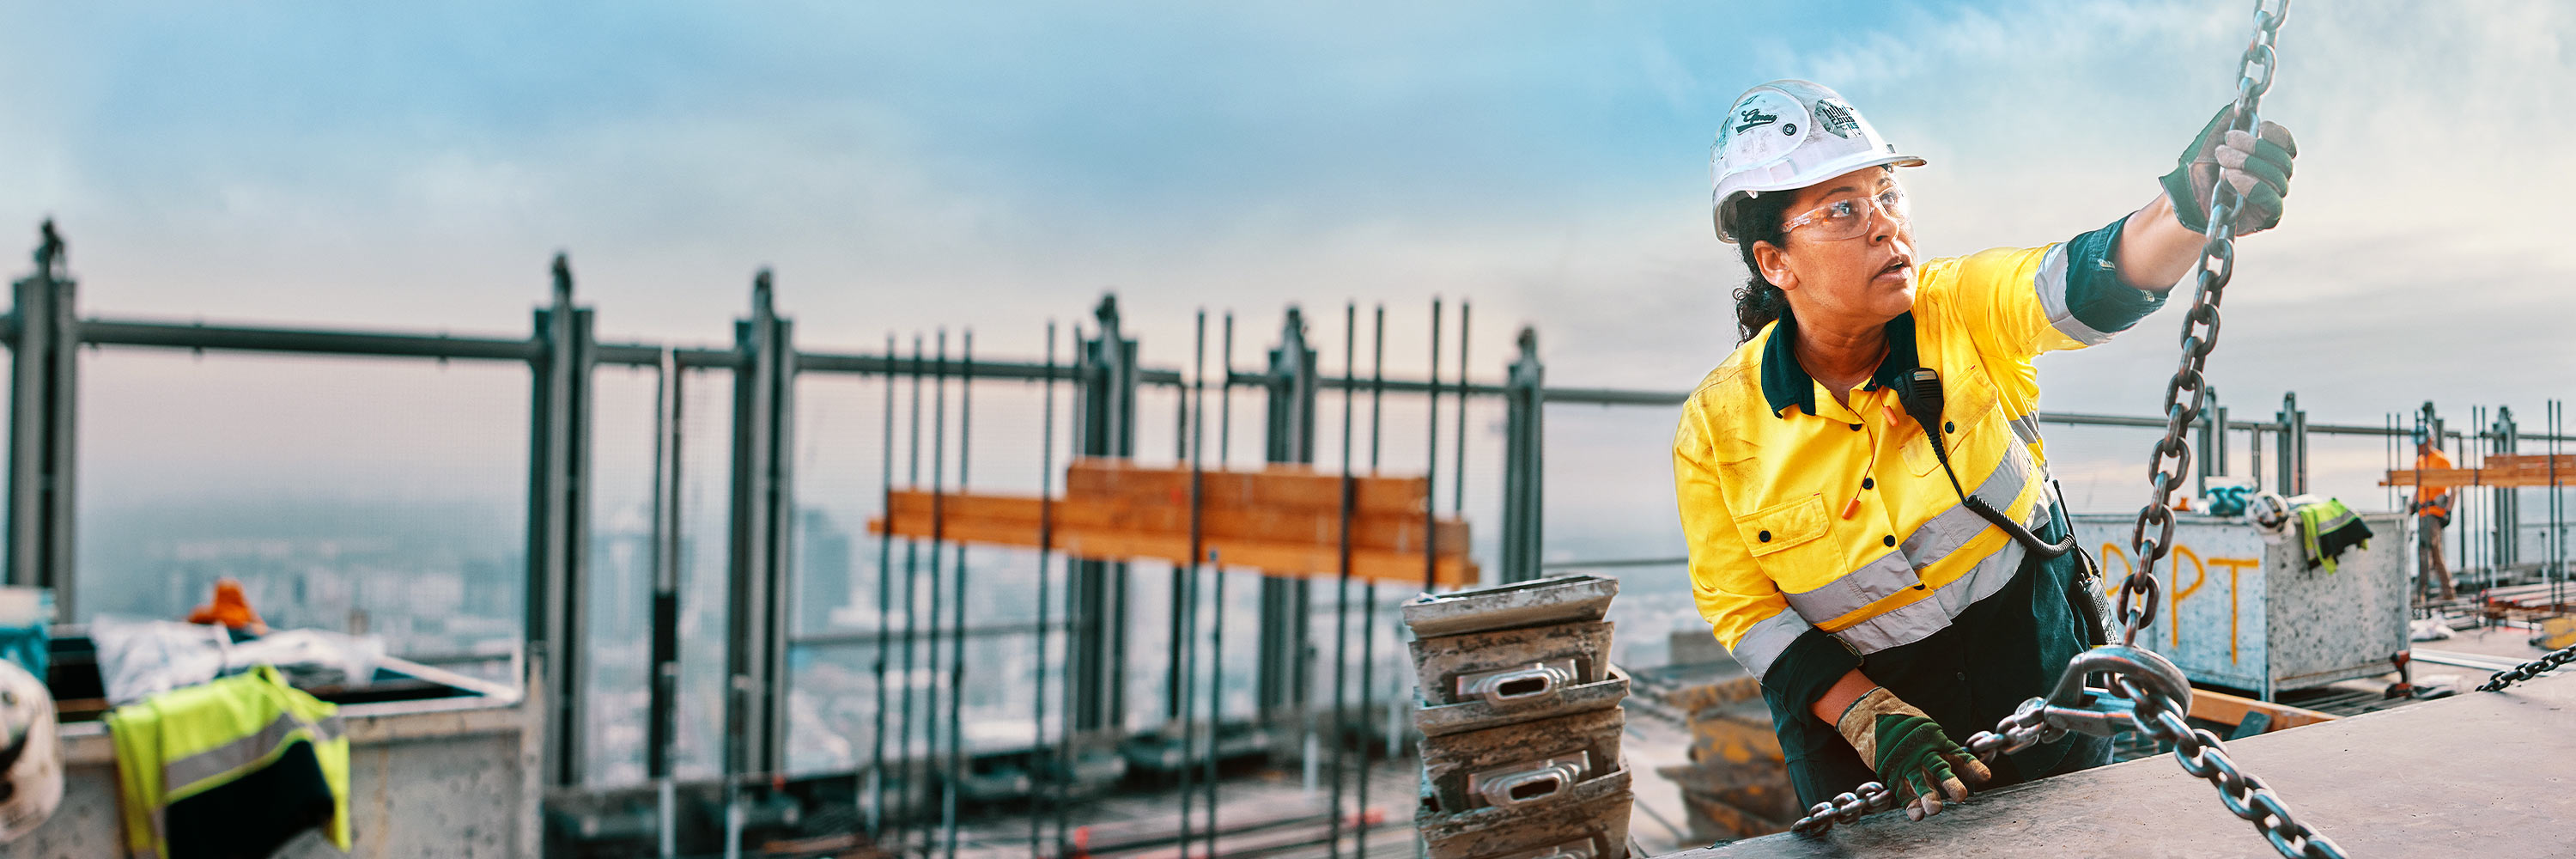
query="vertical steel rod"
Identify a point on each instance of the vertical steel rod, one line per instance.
(2557, 506)
(938, 585)
(957, 647)
(1216, 572)
(909, 801)
(1042, 784)
(1342, 597)
(1368, 610)
(1431, 465)
(1458, 471)
(885, 606)
(1065, 685)
(666, 614)
(1193, 412)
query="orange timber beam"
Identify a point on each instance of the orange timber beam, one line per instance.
(1280, 520)
(2503, 469)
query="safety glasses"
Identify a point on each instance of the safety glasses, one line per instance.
(1848, 217)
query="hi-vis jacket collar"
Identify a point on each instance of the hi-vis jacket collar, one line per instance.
(1786, 383)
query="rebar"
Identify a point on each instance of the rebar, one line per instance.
(1216, 571)
(1042, 784)
(957, 647)
(1193, 412)
(885, 607)
(909, 802)
(1342, 595)
(1368, 609)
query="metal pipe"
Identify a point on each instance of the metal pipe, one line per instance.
(1015, 371)
(1186, 585)
(1458, 470)
(1368, 610)
(662, 727)
(1615, 562)
(1216, 629)
(2557, 508)
(938, 549)
(885, 611)
(909, 801)
(957, 648)
(647, 355)
(1342, 596)
(109, 332)
(1065, 683)
(1042, 784)
(1431, 466)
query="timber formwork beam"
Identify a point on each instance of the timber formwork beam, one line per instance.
(2500, 470)
(1284, 520)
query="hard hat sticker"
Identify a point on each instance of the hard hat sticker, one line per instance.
(1837, 117)
(1747, 136)
(1752, 117)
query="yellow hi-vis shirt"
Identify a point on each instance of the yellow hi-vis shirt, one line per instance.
(234, 766)
(1803, 514)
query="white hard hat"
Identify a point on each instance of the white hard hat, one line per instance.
(31, 753)
(1789, 134)
(2270, 515)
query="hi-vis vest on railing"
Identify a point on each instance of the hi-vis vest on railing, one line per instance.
(232, 767)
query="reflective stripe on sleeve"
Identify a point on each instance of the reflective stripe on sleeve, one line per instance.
(180, 776)
(1763, 644)
(2051, 286)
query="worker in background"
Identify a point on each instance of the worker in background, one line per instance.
(2432, 514)
(1831, 547)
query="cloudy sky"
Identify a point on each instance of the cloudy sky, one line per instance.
(906, 166)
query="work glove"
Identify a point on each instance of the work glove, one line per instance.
(1909, 752)
(2257, 166)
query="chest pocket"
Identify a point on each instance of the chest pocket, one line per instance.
(1970, 405)
(1790, 542)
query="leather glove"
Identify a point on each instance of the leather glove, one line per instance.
(1909, 752)
(2257, 166)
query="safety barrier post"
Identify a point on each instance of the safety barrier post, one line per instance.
(1523, 457)
(559, 519)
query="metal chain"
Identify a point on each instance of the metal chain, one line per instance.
(1869, 798)
(2138, 598)
(2528, 670)
(2148, 694)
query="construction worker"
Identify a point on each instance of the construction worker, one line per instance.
(1833, 548)
(2432, 514)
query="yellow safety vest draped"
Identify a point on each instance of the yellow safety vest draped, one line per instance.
(226, 748)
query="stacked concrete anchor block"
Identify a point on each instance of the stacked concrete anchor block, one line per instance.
(1520, 720)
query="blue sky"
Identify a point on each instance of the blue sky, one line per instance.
(906, 166)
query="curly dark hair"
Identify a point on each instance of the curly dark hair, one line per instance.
(1757, 219)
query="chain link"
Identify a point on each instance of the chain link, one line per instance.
(2528, 670)
(1869, 798)
(2148, 694)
